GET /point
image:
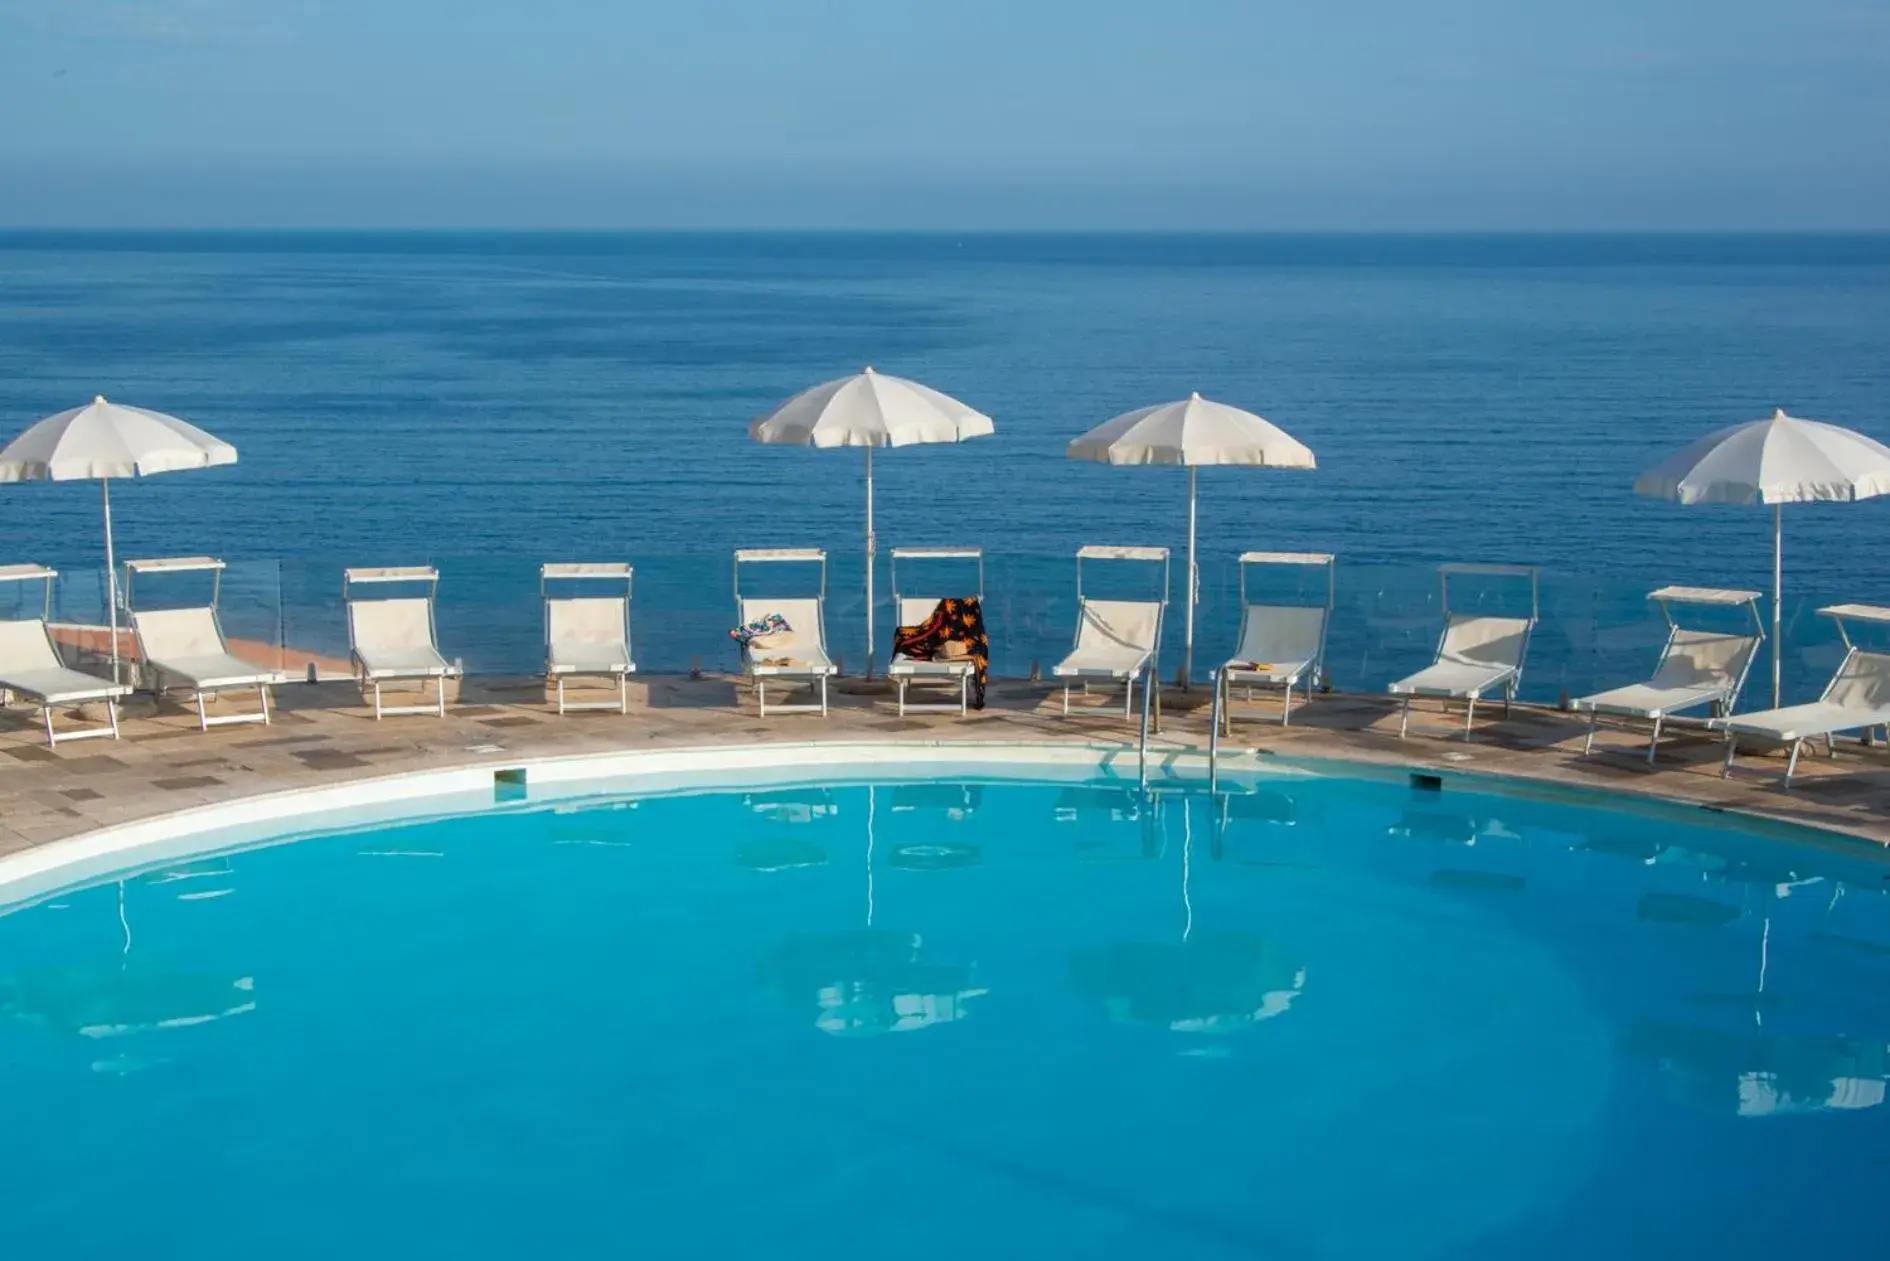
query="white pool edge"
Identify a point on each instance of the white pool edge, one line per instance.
(279, 817)
(33, 873)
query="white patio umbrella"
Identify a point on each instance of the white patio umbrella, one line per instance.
(869, 410)
(1194, 431)
(101, 441)
(1778, 461)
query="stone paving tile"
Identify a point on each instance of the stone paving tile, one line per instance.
(95, 764)
(330, 760)
(186, 781)
(277, 742)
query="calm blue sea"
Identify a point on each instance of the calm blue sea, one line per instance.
(399, 396)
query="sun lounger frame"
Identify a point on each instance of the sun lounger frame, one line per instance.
(1509, 682)
(371, 681)
(1148, 669)
(1722, 703)
(814, 674)
(1878, 720)
(1314, 670)
(105, 691)
(904, 671)
(606, 573)
(257, 677)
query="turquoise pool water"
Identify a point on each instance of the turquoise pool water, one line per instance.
(1317, 1017)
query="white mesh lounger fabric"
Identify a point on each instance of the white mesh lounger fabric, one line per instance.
(905, 670)
(1280, 646)
(1856, 699)
(185, 649)
(1478, 655)
(1696, 668)
(800, 655)
(30, 666)
(588, 637)
(392, 638)
(1115, 641)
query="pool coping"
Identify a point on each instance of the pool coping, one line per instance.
(479, 783)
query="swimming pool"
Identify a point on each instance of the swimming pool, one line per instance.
(1314, 1016)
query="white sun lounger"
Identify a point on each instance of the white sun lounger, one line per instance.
(185, 648)
(1696, 667)
(1281, 645)
(1856, 699)
(801, 656)
(913, 610)
(588, 635)
(1116, 640)
(392, 638)
(1478, 654)
(30, 666)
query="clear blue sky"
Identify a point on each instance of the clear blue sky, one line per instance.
(975, 113)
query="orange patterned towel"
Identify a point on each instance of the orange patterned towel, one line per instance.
(954, 632)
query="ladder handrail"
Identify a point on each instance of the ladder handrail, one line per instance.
(1142, 745)
(1151, 714)
(1214, 734)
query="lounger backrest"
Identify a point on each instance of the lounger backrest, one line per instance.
(805, 626)
(1697, 658)
(1862, 682)
(914, 609)
(1116, 624)
(1475, 639)
(177, 634)
(1280, 633)
(587, 622)
(26, 647)
(391, 625)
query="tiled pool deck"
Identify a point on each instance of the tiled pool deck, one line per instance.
(323, 735)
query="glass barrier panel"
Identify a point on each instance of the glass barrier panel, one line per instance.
(1594, 632)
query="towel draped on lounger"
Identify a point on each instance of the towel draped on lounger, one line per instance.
(763, 632)
(954, 632)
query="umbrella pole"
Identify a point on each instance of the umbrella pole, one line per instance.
(872, 546)
(1194, 585)
(1778, 572)
(111, 573)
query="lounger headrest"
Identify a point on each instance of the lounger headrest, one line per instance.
(1485, 640)
(1121, 623)
(25, 646)
(1281, 632)
(802, 614)
(586, 620)
(391, 624)
(1696, 657)
(174, 634)
(1863, 682)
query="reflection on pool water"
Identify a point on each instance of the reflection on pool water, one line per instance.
(1314, 1017)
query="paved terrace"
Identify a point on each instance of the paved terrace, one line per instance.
(323, 735)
